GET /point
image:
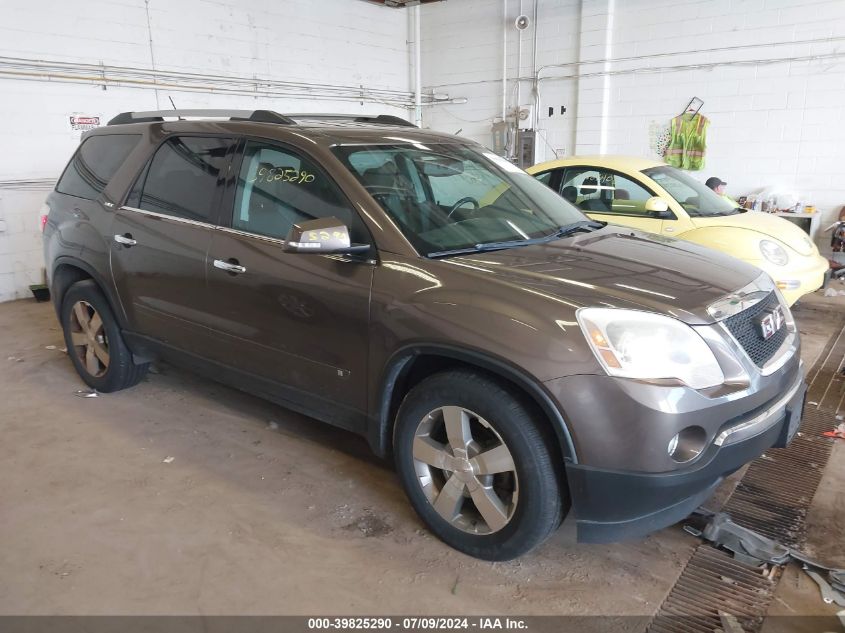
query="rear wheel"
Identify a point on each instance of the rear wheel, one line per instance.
(477, 466)
(94, 342)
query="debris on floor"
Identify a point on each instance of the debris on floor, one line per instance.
(729, 623)
(832, 292)
(752, 548)
(830, 594)
(50, 347)
(273, 426)
(369, 525)
(87, 393)
(15, 359)
(168, 460)
(838, 432)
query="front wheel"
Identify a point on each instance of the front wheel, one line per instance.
(476, 465)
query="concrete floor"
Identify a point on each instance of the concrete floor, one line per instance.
(264, 511)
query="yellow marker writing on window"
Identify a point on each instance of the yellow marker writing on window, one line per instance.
(278, 174)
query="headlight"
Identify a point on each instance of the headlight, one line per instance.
(774, 252)
(648, 346)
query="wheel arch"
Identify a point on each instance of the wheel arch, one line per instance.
(69, 270)
(409, 365)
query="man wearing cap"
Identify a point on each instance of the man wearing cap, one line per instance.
(718, 185)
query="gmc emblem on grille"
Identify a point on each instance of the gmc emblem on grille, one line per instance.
(770, 322)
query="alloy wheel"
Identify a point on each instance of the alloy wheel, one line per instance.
(466, 470)
(88, 337)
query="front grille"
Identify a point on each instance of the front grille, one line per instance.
(746, 331)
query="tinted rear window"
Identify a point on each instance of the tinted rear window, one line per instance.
(95, 162)
(184, 178)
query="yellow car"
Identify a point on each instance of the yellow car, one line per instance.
(652, 196)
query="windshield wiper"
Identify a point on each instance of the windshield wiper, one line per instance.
(563, 231)
(576, 227)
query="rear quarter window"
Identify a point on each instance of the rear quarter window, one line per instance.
(95, 162)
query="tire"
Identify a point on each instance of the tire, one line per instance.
(443, 481)
(109, 365)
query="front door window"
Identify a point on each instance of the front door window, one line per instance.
(278, 187)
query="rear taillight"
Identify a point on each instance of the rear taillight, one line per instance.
(45, 212)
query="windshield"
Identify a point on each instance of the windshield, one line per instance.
(696, 198)
(447, 197)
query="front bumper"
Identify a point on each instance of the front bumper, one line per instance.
(614, 503)
(804, 276)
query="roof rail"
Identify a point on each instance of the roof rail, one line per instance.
(384, 119)
(258, 116)
(387, 119)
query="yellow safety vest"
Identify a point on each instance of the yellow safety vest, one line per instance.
(687, 142)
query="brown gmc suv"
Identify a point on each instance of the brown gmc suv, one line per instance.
(514, 358)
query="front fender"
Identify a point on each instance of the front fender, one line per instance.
(380, 426)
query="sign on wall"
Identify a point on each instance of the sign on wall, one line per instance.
(80, 123)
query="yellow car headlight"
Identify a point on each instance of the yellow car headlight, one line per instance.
(774, 252)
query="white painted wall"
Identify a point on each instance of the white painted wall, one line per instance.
(771, 124)
(462, 57)
(320, 44)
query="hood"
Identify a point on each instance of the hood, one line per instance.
(615, 267)
(769, 225)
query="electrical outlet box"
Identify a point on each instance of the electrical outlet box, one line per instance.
(525, 148)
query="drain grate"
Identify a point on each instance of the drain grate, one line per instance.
(714, 581)
(826, 383)
(778, 487)
(773, 499)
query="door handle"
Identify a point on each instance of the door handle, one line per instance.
(125, 239)
(231, 266)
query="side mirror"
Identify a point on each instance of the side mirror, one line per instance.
(657, 207)
(323, 236)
